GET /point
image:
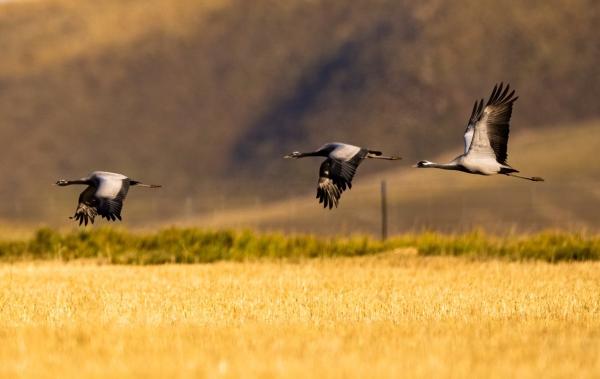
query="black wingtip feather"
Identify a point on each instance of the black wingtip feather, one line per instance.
(504, 93)
(500, 94)
(509, 97)
(494, 91)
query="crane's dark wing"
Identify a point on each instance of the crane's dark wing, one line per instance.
(329, 189)
(335, 176)
(343, 171)
(86, 209)
(110, 206)
(492, 125)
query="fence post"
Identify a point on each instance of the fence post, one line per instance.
(384, 221)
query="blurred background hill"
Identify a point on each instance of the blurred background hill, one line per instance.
(205, 97)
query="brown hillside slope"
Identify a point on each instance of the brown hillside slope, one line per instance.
(205, 97)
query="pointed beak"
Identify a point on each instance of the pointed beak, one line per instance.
(287, 156)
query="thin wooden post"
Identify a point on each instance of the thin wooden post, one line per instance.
(384, 221)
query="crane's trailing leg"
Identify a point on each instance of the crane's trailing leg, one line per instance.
(532, 178)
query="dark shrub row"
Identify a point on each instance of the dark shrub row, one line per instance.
(198, 246)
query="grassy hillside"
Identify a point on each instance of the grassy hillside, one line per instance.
(450, 201)
(205, 96)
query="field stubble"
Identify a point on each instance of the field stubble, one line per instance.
(384, 315)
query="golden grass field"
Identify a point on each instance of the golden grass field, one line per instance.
(388, 315)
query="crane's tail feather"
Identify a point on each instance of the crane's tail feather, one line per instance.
(379, 155)
(140, 184)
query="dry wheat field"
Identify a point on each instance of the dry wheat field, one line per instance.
(387, 315)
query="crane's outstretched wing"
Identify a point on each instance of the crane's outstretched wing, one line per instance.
(86, 209)
(330, 187)
(343, 170)
(335, 176)
(475, 114)
(110, 195)
(490, 137)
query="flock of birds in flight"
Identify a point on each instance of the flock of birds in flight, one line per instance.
(486, 140)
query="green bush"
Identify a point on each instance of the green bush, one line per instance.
(190, 245)
(548, 246)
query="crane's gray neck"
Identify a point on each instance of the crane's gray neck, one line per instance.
(77, 181)
(317, 153)
(297, 154)
(444, 166)
(72, 182)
